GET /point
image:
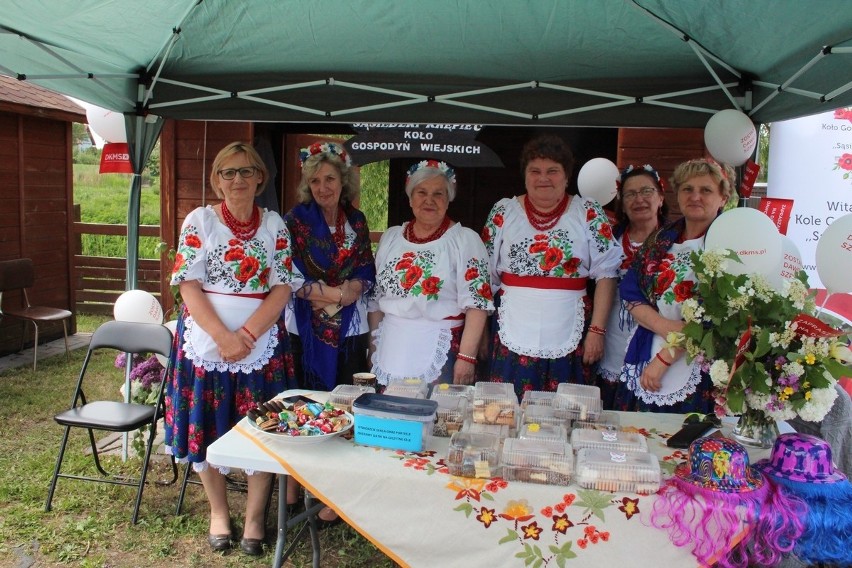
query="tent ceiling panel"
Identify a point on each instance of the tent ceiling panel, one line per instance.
(549, 62)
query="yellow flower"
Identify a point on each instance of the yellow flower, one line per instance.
(807, 395)
(810, 358)
(517, 509)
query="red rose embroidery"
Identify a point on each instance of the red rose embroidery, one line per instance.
(192, 241)
(179, 261)
(498, 220)
(403, 264)
(471, 274)
(264, 277)
(664, 280)
(540, 237)
(552, 257)
(538, 246)
(288, 263)
(248, 268)
(606, 231)
(280, 243)
(411, 276)
(431, 285)
(485, 291)
(235, 254)
(590, 214)
(683, 291)
(571, 265)
(845, 161)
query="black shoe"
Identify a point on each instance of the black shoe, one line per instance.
(252, 546)
(219, 542)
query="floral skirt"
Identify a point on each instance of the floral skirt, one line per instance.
(203, 405)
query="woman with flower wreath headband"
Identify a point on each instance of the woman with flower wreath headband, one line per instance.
(661, 278)
(640, 210)
(235, 273)
(543, 248)
(432, 294)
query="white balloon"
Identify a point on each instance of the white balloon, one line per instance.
(834, 256)
(138, 306)
(730, 137)
(791, 263)
(172, 326)
(107, 124)
(752, 235)
(598, 180)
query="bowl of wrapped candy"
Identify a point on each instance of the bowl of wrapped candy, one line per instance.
(300, 421)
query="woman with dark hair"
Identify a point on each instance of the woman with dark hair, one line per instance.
(432, 294)
(640, 210)
(543, 247)
(235, 273)
(660, 279)
(331, 248)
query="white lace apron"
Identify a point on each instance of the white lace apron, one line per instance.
(541, 323)
(233, 310)
(411, 348)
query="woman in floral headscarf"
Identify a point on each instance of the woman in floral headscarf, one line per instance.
(432, 293)
(656, 285)
(331, 248)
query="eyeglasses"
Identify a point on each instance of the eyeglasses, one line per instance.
(231, 173)
(646, 191)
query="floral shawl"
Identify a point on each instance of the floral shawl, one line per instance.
(638, 285)
(318, 258)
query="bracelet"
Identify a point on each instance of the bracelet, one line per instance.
(663, 361)
(466, 358)
(250, 334)
(598, 330)
(340, 301)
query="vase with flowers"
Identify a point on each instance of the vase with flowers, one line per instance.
(146, 374)
(767, 354)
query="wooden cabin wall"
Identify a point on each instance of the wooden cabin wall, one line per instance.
(35, 217)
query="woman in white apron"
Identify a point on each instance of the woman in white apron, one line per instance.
(432, 294)
(235, 272)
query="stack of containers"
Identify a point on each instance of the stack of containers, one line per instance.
(474, 455)
(613, 460)
(495, 403)
(453, 410)
(343, 396)
(549, 432)
(577, 402)
(537, 398)
(411, 387)
(537, 461)
(535, 414)
(607, 420)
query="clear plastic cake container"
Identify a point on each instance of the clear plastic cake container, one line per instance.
(451, 414)
(537, 461)
(502, 431)
(537, 398)
(606, 420)
(543, 415)
(578, 402)
(474, 455)
(343, 396)
(495, 403)
(446, 389)
(544, 432)
(624, 472)
(399, 388)
(613, 440)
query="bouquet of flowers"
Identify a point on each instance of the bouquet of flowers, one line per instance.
(767, 354)
(146, 374)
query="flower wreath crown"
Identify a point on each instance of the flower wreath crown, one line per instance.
(442, 166)
(330, 148)
(647, 168)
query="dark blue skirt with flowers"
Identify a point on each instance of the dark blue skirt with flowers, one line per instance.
(203, 405)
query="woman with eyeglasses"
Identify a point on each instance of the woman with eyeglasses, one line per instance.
(640, 210)
(654, 289)
(234, 269)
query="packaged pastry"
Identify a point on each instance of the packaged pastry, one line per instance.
(343, 396)
(537, 461)
(606, 420)
(537, 398)
(474, 455)
(502, 431)
(543, 415)
(494, 403)
(551, 432)
(411, 388)
(451, 414)
(578, 402)
(625, 472)
(614, 440)
(447, 389)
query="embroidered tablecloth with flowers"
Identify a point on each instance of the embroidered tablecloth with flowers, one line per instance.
(411, 508)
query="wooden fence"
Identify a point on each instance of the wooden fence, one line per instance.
(100, 280)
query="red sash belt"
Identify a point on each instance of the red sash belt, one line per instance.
(258, 296)
(543, 282)
(455, 317)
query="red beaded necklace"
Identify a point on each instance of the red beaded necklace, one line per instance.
(243, 230)
(545, 221)
(409, 235)
(339, 235)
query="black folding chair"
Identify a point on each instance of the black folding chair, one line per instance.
(112, 416)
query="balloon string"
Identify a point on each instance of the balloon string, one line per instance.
(824, 301)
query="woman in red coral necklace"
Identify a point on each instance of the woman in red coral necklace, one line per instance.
(432, 292)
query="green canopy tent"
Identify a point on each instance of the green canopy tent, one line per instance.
(669, 63)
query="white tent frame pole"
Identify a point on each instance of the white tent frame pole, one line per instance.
(700, 55)
(278, 88)
(586, 108)
(375, 107)
(555, 87)
(683, 107)
(513, 87)
(282, 105)
(836, 92)
(783, 86)
(84, 76)
(166, 50)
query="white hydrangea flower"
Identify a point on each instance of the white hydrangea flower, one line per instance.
(715, 262)
(793, 368)
(818, 406)
(719, 372)
(689, 310)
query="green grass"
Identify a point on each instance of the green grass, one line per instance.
(90, 523)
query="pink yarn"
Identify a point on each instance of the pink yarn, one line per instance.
(709, 522)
